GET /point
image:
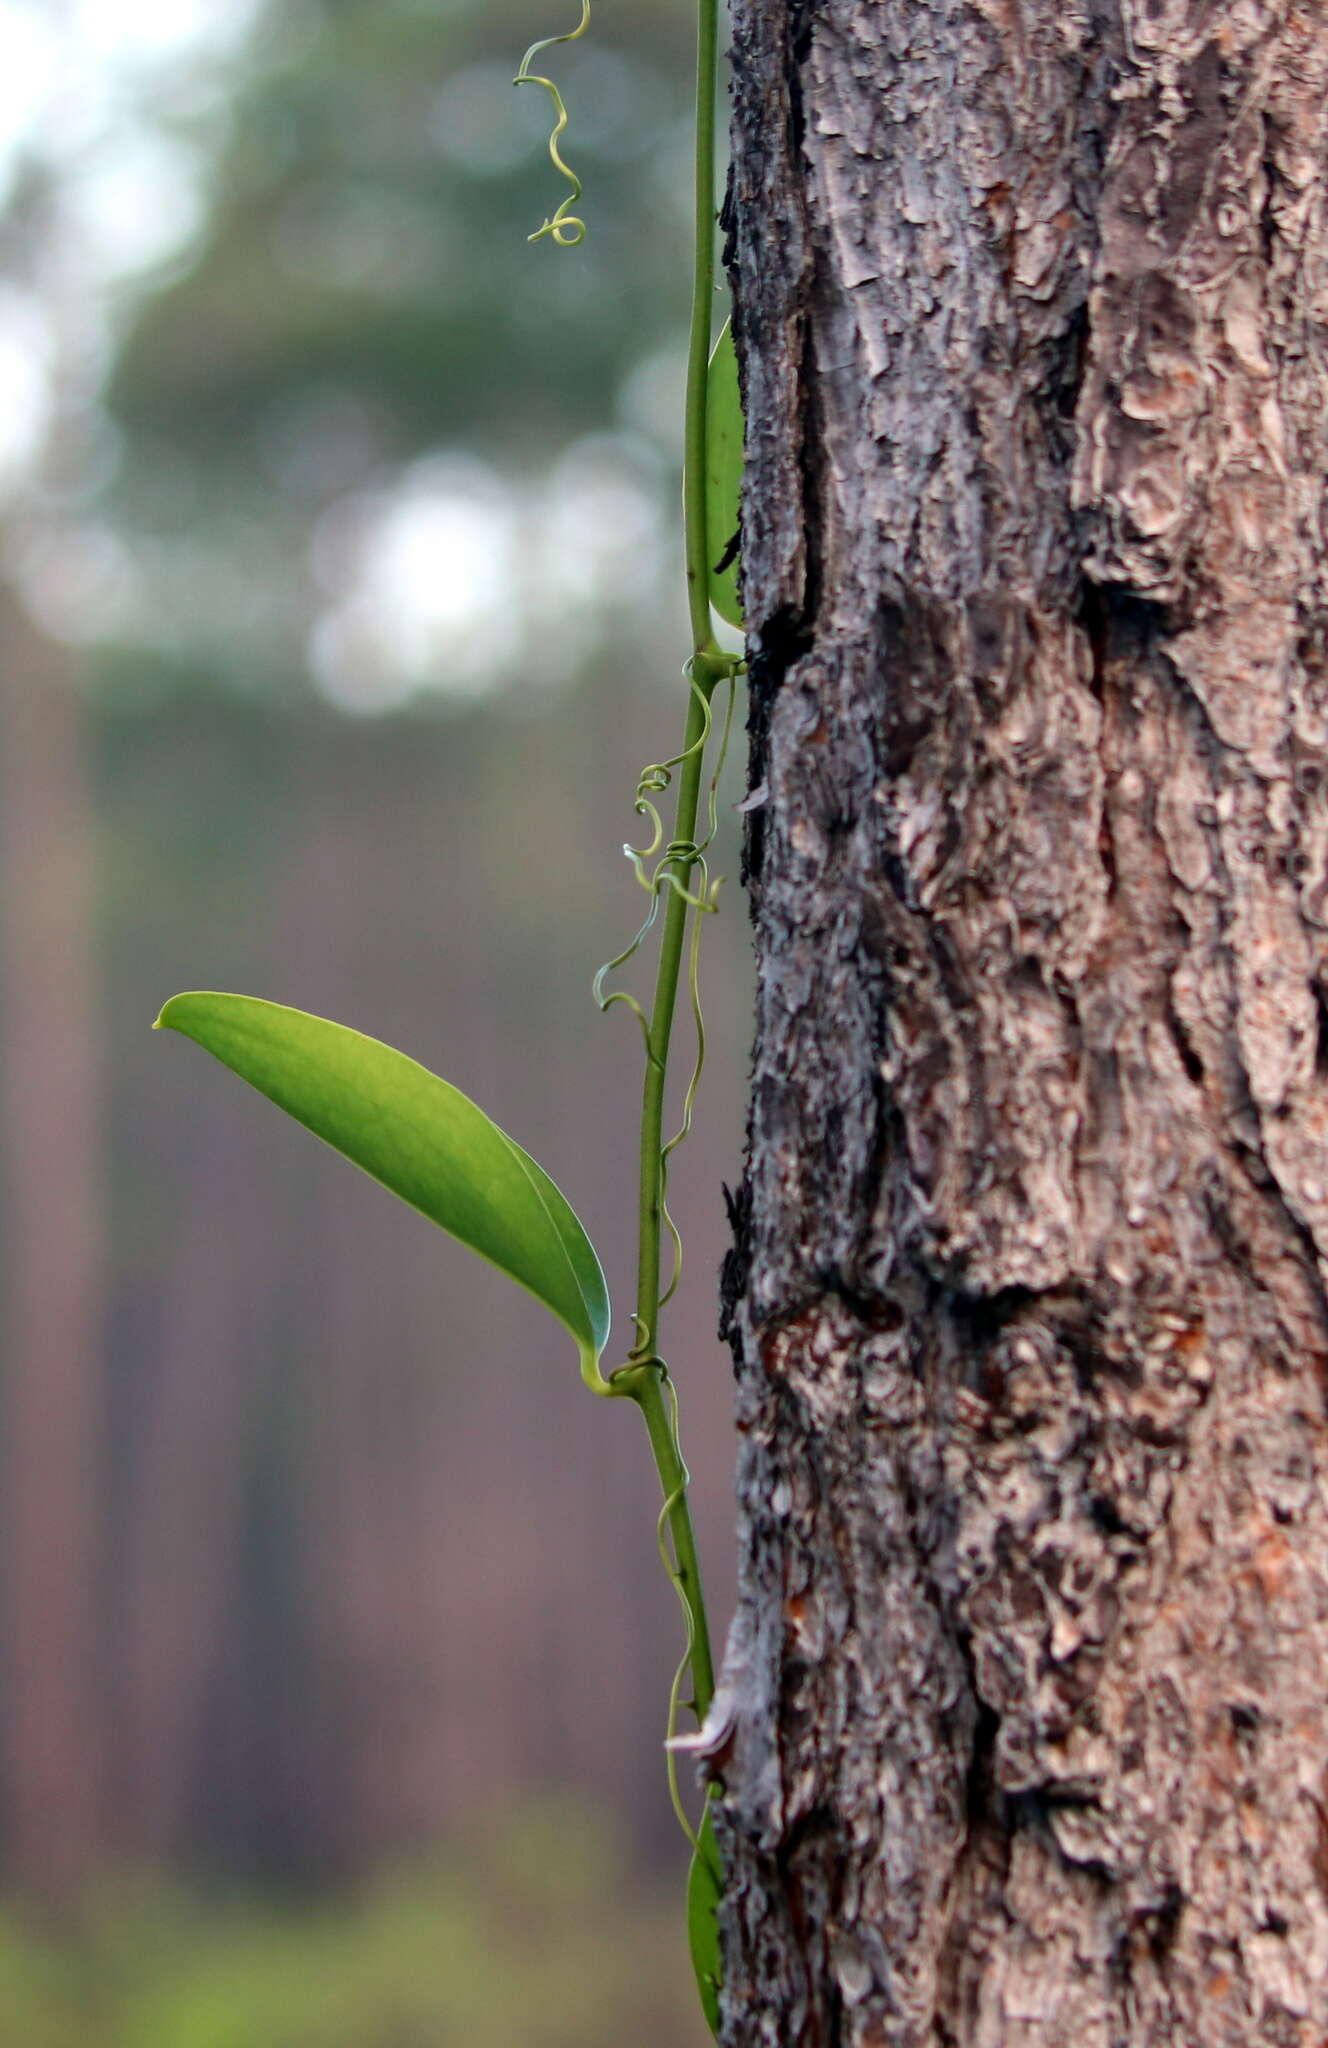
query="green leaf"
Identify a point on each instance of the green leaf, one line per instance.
(422, 1139)
(724, 475)
(705, 1886)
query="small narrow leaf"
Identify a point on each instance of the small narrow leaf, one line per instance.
(724, 476)
(422, 1139)
(705, 1885)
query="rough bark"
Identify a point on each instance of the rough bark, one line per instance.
(1024, 1730)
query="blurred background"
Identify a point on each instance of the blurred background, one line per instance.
(339, 606)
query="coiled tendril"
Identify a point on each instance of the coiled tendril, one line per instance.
(566, 228)
(674, 1577)
(656, 866)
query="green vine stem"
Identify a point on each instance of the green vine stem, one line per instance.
(644, 1378)
(646, 1375)
(705, 654)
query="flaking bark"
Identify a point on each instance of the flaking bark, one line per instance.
(1024, 1729)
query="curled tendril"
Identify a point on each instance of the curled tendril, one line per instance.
(566, 228)
(653, 781)
(656, 867)
(706, 899)
(674, 1577)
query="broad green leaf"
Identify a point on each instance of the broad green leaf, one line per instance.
(705, 1885)
(422, 1139)
(724, 475)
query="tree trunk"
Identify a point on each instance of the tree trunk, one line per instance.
(1024, 1729)
(50, 1465)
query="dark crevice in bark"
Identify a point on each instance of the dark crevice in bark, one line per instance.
(736, 1266)
(1321, 1033)
(801, 16)
(981, 1792)
(1267, 211)
(885, 1139)
(788, 636)
(1122, 626)
(811, 1949)
(988, 1813)
(1107, 1517)
(1057, 397)
(1106, 850)
(783, 635)
(728, 226)
(812, 462)
(1184, 1044)
(784, 640)
(979, 1319)
(883, 1146)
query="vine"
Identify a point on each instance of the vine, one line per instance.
(703, 901)
(433, 1147)
(676, 877)
(667, 872)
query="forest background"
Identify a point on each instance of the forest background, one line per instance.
(340, 607)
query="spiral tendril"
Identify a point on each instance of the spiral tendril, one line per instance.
(706, 900)
(565, 227)
(674, 1577)
(654, 780)
(656, 866)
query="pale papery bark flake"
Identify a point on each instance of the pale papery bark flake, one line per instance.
(1026, 1702)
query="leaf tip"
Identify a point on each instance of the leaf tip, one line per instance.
(179, 1013)
(167, 1017)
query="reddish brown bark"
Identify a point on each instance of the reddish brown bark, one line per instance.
(1027, 1686)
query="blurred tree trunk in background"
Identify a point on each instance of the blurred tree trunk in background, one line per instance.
(186, 1498)
(50, 1468)
(1030, 1720)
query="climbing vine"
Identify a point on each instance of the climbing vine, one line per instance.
(437, 1150)
(676, 877)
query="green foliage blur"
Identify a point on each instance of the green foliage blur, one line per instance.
(522, 1936)
(362, 301)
